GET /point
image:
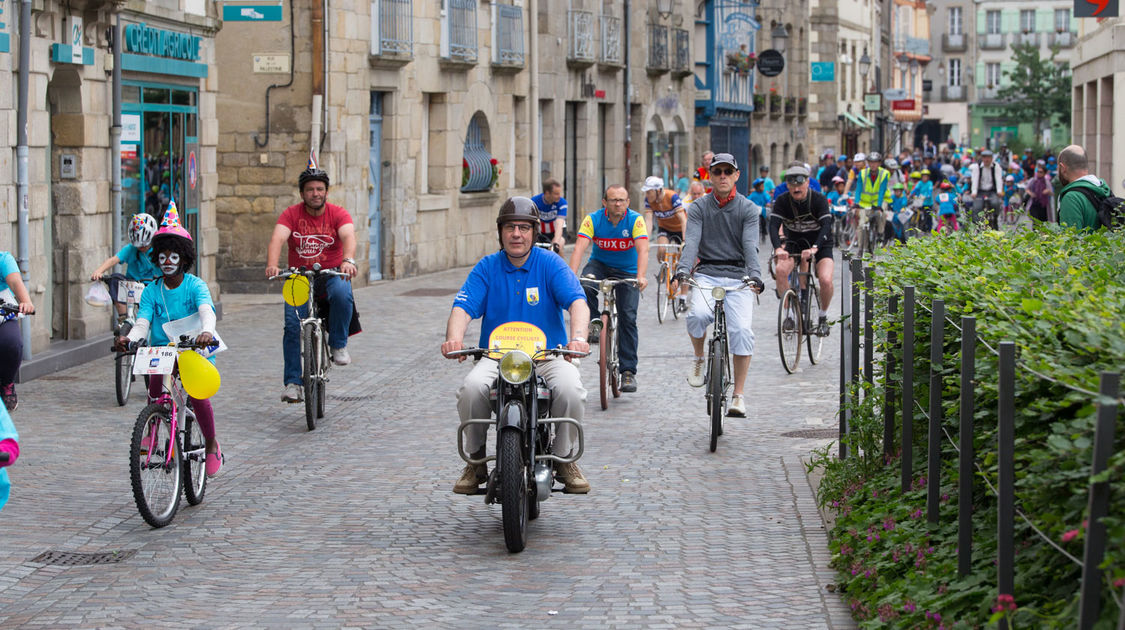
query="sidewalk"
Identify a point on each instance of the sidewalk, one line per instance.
(354, 523)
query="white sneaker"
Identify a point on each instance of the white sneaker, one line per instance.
(737, 408)
(340, 356)
(292, 394)
(695, 378)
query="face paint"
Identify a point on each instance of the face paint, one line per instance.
(169, 262)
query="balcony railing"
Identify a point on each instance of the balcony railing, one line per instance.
(507, 35)
(580, 29)
(392, 28)
(790, 106)
(611, 40)
(1065, 39)
(992, 41)
(802, 107)
(459, 31)
(988, 93)
(912, 45)
(681, 52)
(954, 43)
(775, 105)
(760, 105)
(657, 48)
(953, 93)
(1029, 38)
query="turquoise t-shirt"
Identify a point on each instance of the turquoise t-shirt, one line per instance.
(139, 265)
(8, 266)
(160, 304)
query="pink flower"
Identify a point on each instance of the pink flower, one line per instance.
(908, 606)
(1069, 536)
(1119, 582)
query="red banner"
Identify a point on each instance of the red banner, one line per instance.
(904, 104)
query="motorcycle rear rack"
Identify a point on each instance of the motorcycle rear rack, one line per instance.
(541, 457)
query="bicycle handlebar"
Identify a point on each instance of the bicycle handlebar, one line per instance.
(309, 273)
(12, 308)
(747, 284)
(608, 282)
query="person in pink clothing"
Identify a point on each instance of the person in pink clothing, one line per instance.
(9, 452)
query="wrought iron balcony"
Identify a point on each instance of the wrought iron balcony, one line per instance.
(953, 93)
(993, 41)
(790, 106)
(681, 52)
(1064, 39)
(988, 93)
(507, 36)
(1029, 38)
(580, 31)
(459, 32)
(954, 43)
(611, 41)
(392, 30)
(657, 49)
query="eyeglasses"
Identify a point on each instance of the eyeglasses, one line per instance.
(521, 227)
(722, 171)
(795, 180)
(623, 200)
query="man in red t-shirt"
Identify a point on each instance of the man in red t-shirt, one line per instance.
(317, 232)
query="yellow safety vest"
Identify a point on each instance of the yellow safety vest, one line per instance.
(871, 191)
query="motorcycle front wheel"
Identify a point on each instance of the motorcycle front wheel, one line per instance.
(514, 493)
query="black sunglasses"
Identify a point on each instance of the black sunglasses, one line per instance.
(795, 180)
(722, 171)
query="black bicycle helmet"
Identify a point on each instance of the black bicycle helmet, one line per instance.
(518, 209)
(309, 175)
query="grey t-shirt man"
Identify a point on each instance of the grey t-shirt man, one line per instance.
(723, 237)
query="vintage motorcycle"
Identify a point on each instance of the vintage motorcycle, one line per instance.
(521, 404)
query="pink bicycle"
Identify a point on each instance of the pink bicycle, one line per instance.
(168, 452)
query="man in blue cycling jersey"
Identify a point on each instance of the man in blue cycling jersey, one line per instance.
(620, 240)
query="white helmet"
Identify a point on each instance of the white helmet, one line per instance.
(891, 163)
(652, 183)
(141, 229)
(859, 157)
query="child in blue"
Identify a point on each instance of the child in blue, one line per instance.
(9, 452)
(924, 189)
(898, 204)
(176, 295)
(13, 293)
(945, 202)
(134, 256)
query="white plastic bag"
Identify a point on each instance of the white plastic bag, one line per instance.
(98, 294)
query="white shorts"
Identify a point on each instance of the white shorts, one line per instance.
(739, 308)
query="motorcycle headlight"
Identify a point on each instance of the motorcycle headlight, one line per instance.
(718, 293)
(515, 367)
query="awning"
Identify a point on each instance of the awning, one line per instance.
(858, 121)
(865, 120)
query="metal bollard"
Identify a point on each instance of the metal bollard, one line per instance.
(868, 325)
(889, 390)
(933, 442)
(965, 444)
(907, 387)
(1098, 505)
(1006, 445)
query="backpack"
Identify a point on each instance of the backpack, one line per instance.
(1110, 209)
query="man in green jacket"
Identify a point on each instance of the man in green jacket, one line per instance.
(1075, 210)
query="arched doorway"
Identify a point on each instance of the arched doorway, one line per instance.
(65, 200)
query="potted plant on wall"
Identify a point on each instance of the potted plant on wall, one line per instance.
(495, 173)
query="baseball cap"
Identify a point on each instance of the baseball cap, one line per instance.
(655, 183)
(759, 182)
(837, 180)
(724, 158)
(796, 169)
(986, 153)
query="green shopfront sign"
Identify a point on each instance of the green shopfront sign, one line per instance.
(4, 39)
(144, 39)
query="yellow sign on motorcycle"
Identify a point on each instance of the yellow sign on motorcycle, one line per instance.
(516, 336)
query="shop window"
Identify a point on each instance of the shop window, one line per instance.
(478, 168)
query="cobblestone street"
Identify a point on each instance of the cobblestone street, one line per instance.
(354, 524)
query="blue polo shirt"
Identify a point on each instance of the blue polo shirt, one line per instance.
(537, 293)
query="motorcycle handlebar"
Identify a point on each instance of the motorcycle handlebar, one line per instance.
(477, 353)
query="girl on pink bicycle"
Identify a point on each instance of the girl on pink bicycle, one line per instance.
(175, 296)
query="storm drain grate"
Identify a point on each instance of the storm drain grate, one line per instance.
(74, 558)
(819, 434)
(355, 398)
(433, 292)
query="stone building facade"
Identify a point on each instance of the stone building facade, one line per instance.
(845, 33)
(1098, 111)
(779, 127)
(418, 96)
(169, 135)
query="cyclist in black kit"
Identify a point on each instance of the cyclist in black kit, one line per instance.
(805, 217)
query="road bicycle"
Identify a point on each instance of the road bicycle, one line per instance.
(609, 380)
(315, 352)
(129, 294)
(666, 298)
(167, 453)
(717, 381)
(798, 315)
(870, 235)
(843, 225)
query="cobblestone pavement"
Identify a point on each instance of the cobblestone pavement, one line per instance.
(354, 524)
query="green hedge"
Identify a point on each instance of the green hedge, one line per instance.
(1061, 298)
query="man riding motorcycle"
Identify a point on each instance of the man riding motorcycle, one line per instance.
(521, 283)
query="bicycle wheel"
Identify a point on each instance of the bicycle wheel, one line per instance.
(662, 295)
(813, 339)
(614, 375)
(310, 347)
(717, 391)
(123, 376)
(195, 457)
(789, 330)
(603, 361)
(154, 474)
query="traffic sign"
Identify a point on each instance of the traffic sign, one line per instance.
(771, 63)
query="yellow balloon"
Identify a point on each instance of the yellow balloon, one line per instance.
(296, 290)
(199, 376)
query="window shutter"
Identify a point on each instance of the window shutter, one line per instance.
(982, 22)
(1010, 21)
(980, 75)
(1045, 21)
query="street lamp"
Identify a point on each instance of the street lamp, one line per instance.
(664, 8)
(778, 37)
(864, 64)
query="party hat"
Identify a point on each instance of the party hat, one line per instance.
(171, 223)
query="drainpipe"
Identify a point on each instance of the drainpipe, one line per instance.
(115, 138)
(628, 104)
(533, 91)
(21, 163)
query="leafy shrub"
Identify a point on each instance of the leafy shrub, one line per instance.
(1061, 298)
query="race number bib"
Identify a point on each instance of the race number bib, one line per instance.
(153, 360)
(129, 291)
